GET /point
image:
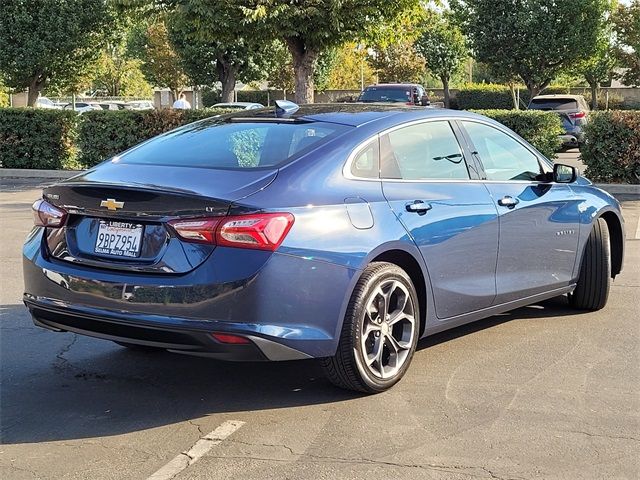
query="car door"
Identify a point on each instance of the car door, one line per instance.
(539, 220)
(428, 183)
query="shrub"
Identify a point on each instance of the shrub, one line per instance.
(37, 138)
(488, 96)
(540, 129)
(612, 146)
(103, 134)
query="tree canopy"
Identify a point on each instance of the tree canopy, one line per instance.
(627, 28)
(444, 49)
(533, 39)
(44, 42)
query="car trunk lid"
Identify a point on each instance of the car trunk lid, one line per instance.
(122, 224)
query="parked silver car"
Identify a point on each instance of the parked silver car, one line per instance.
(573, 111)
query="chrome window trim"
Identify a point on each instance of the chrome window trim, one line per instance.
(346, 169)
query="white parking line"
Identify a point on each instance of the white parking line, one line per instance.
(200, 448)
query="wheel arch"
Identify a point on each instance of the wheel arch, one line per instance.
(616, 240)
(411, 265)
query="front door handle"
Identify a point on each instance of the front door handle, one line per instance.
(419, 207)
(508, 202)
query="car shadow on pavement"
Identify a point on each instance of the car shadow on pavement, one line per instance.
(61, 386)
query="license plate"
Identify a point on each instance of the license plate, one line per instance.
(121, 239)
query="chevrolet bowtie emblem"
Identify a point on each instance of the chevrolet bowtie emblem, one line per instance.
(111, 204)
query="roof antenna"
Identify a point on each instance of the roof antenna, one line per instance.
(285, 107)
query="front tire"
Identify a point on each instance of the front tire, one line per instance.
(379, 333)
(592, 289)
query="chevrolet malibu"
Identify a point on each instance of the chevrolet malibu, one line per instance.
(342, 233)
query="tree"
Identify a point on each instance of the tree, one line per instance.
(626, 20)
(398, 62)
(207, 59)
(45, 41)
(351, 68)
(161, 64)
(533, 39)
(444, 49)
(309, 27)
(598, 67)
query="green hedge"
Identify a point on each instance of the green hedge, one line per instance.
(33, 138)
(540, 129)
(103, 134)
(612, 146)
(488, 96)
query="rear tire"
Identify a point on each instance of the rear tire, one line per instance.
(140, 348)
(379, 333)
(592, 289)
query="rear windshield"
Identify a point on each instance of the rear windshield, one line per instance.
(381, 94)
(217, 144)
(553, 104)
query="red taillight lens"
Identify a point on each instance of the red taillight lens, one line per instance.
(46, 215)
(578, 115)
(196, 230)
(262, 231)
(229, 338)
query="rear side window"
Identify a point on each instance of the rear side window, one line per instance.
(426, 151)
(553, 104)
(365, 163)
(216, 144)
(503, 157)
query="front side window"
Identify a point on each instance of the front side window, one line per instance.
(503, 157)
(426, 151)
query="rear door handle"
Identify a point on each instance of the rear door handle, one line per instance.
(508, 202)
(419, 207)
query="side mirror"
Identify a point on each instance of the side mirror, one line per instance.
(564, 173)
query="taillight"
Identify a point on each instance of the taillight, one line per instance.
(196, 230)
(578, 115)
(47, 215)
(262, 231)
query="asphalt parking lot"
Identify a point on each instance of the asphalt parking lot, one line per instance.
(540, 392)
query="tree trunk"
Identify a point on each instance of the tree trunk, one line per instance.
(594, 95)
(304, 63)
(445, 86)
(227, 77)
(512, 89)
(35, 87)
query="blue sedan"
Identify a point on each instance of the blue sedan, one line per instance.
(338, 232)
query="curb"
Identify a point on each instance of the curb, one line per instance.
(34, 173)
(619, 188)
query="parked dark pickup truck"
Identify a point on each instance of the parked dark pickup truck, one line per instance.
(407, 93)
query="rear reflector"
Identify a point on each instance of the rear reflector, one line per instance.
(231, 339)
(262, 231)
(47, 215)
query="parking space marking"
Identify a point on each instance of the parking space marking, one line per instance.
(200, 448)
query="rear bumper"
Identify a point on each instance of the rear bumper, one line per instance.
(289, 307)
(100, 324)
